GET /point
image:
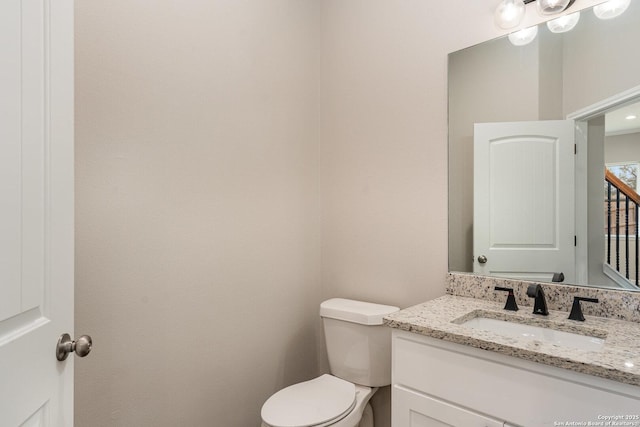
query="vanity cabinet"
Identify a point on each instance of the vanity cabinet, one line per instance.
(438, 383)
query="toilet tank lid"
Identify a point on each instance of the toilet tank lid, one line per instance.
(365, 313)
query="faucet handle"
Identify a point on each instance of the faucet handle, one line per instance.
(576, 309)
(511, 304)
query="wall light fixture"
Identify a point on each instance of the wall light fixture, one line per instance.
(524, 36)
(564, 23)
(611, 9)
(551, 7)
(509, 13)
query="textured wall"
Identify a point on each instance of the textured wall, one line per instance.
(383, 151)
(197, 208)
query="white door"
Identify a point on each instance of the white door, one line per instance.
(36, 211)
(523, 225)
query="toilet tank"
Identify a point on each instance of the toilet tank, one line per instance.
(358, 344)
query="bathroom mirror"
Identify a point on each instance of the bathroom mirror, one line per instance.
(544, 199)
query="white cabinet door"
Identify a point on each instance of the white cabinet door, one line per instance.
(524, 199)
(36, 211)
(413, 409)
(500, 386)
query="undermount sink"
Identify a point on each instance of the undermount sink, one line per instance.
(538, 333)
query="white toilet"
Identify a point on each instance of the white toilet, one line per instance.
(359, 350)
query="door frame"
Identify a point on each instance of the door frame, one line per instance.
(581, 117)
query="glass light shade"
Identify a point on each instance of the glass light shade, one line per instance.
(524, 36)
(509, 13)
(551, 7)
(611, 9)
(564, 23)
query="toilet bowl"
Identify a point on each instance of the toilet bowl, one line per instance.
(359, 353)
(320, 402)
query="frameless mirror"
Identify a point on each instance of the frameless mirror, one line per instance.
(537, 134)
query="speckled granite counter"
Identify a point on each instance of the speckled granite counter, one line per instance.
(618, 360)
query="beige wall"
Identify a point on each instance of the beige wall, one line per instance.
(622, 148)
(613, 72)
(383, 147)
(214, 212)
(197, 208)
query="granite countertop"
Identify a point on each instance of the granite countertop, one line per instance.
(618, 360)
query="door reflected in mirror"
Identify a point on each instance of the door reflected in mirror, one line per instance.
(521, 200)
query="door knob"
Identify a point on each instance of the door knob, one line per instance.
(82, 346)
(482, 259)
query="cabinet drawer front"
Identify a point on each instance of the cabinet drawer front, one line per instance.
(489, 385)
(413, 409)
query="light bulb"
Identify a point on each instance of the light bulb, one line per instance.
(509, 13)
(524, 36)
(551, 7)
(611, 9)
(564, 23)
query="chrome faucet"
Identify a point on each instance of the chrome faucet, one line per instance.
(540, 304)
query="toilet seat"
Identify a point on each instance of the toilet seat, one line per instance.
(318, 402)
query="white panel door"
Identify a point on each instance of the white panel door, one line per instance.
(524, 200)
(413, 409)
(36, 211)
